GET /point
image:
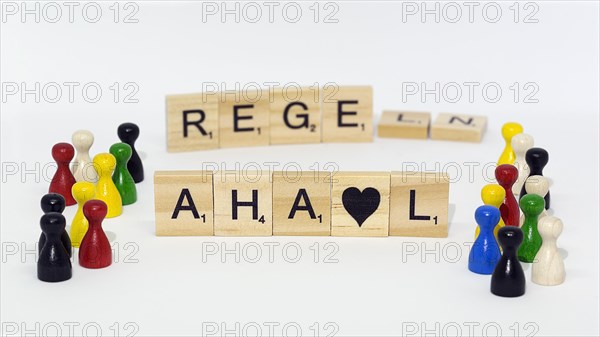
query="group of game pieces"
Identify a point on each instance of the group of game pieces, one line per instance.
(504, 237)
(100, 187)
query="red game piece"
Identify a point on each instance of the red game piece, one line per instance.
(95, 251)
(63, 179)
(506, 175)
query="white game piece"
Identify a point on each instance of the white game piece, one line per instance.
(520, 144)
(536, 185)
(82, 167)
(548, 267)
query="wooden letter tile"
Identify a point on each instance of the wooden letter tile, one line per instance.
(360, 204)
(192, 122)
(419, 204)
(347, 114)
(243, 203)
(244, 120)
(462, 128)
(404, 124)
(183, 203)
(301, 203)
(296, 115)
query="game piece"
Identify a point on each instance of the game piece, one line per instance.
(106, 190)
(509, 130)
(485, 253)
(537, 159)
(531, 205)
(419, 204)
(192, 122)
(508, 279)
(82, 167)
(521, 143)
(548, 269)
(95, 251)
(63, 179)
(128, 133)
(404, 124)
(243, 203)
(458, 127)
(183, 203)
(506, 175)
(121, 176)
(302, 203)
(53, 202)
(54, 262)
(82, 192)
(244, 119)
(493, 195)
(347, 113)
(536, 185)
(360, 204)
(295, 115)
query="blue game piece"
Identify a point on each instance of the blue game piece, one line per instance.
(485, 253)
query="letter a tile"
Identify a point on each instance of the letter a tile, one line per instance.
(183, 203)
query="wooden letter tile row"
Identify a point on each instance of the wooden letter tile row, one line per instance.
(416, 125)
(284, 116)
(225, 203)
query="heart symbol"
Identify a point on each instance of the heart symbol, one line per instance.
(360, 205)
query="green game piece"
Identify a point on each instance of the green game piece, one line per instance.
(532, 206)
(121, 177)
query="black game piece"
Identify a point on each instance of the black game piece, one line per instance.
(54, 264)
(129, 133)
(508, 279)
(54, 202)
(536, 159)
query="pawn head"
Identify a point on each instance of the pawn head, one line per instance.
(487, 217)
(121, 151)
(52, 223)
(506, 174)
(493, 194)
(550, 227)
(104, 163)
(52, 202)
(536, 158)
(83, 191)
(510, 237)
(537, 185)
(82, 139)
(532, 204)
(95, 209)
(521, 143)
(511, 129)
(128, 132)
(63, 152)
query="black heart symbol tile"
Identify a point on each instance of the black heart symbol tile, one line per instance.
(360, 205)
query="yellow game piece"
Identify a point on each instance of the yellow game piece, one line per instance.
(493, 195)
(105, 164)
(82, 192)
(509, 130)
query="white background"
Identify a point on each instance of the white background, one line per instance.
(377, 287)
